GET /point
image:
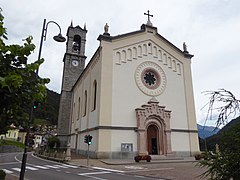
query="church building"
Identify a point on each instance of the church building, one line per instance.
(134, 97)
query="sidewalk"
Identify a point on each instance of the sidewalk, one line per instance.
(112, 162)
(171, 168)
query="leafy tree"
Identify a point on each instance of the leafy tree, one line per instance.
(19, 84)
(53, 142)
(224, 163)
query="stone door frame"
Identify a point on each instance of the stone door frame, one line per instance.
(153, 114)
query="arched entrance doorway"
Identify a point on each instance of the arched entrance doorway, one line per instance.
(153, 129)
(152, 139)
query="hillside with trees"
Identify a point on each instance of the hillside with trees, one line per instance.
(48, 110)
(219, 138)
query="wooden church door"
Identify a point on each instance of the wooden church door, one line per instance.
(152, 139)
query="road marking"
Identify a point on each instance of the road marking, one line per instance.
(134, 167)
(16, 169)
(61, 166)
(41, 167)
(105, 169)
(9, 163)
(7, 171)
(93, 173)
(92, 177)
(70, 166)
(31, 168)
(37, 167)
(146, 170)
(50, 166)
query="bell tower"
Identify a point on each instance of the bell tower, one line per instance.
(74, 63)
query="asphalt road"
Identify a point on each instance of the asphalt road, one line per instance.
(40, 169)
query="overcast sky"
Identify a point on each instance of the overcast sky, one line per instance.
(210, 28)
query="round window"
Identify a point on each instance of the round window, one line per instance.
(150, 78)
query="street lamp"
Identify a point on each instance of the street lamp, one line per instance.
(58, 38)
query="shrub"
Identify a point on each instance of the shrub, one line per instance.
(53, 142)
(2, 174)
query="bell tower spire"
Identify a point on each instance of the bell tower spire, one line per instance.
(74, 63)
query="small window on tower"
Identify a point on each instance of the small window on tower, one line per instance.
(76, 44)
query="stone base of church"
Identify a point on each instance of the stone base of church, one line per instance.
(107, 155)
(116, 155)
(184, 153)
(128, 155)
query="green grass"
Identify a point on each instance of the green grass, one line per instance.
(11, 143)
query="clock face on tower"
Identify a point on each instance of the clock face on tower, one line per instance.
(75, 62)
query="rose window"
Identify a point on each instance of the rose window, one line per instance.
(150, 78)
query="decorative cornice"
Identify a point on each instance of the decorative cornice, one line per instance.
(185, 130)
(109, 128)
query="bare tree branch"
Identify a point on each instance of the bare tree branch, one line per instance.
(223, 103)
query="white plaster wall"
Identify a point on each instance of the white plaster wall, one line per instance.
(123, 136)
(127, 96)
(180, 141)
(90, 120)
(86, 83)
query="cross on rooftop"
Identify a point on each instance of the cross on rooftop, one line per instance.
(149, 15)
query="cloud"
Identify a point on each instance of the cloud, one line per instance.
(210, 29)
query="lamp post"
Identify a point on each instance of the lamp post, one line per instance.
(58, 38)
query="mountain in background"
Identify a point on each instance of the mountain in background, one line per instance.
(219, 137)
(206, 131)
(48, 110)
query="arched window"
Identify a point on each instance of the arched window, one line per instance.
(165, 59)
(134, 53)
(139, 51)
(76, 46)
(94, 95)
(124, 56)
(174, 65)
(118, 57)
(144, 49)
(160, 55)
(85, 104)
(79, 108)
(155, 52)
(169, 62)
(73, 112)
(179, 68)
(129, 54)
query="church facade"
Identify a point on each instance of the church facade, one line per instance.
(135, 96)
